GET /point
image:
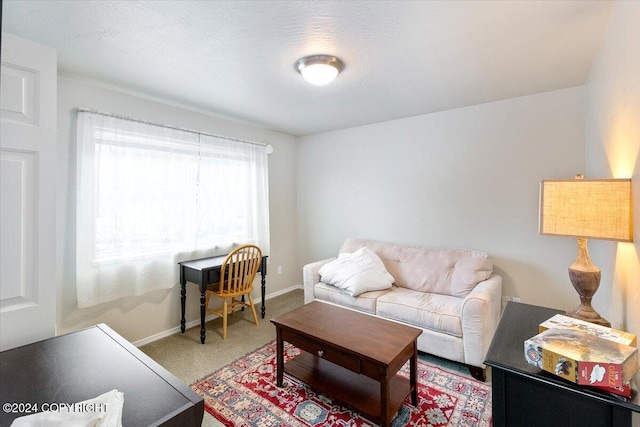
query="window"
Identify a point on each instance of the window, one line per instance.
(150, 196)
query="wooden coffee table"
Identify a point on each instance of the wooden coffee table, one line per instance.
(351, 356)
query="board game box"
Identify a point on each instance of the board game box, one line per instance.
(625, 390)
(562, 321)
(582, 358)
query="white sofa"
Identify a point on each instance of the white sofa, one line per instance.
(451, 294)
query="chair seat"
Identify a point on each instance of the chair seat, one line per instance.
(232, 306)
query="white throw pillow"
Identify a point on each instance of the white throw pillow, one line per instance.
(357, 272)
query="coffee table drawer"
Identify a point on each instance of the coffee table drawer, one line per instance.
(322, 351)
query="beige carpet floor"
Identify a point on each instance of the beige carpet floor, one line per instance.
(187, 359)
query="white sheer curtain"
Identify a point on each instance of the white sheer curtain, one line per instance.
(150, 196)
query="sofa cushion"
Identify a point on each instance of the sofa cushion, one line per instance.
(364, 302)
(452, 272)
(357, 272)
(423, 309)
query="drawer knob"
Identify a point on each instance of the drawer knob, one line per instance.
(320, 353)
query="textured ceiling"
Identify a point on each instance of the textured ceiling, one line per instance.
(403, 58)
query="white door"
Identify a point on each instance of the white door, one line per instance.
(28, 86)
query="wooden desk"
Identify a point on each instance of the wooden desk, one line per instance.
(204, 272)
(82, 365)
(525, 395)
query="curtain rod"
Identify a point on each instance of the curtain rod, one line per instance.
(118, 116)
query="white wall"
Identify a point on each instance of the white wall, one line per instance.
(140, 317)
(466, 178)
(613, 151)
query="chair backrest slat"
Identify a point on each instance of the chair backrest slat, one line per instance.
(239, 269)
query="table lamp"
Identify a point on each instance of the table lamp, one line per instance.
(586, 209)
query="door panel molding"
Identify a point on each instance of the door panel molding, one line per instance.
(28, 114)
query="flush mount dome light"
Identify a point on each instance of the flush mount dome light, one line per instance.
(319, 69)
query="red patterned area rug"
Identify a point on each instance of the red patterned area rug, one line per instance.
(244, 393)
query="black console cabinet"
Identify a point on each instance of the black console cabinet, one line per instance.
(524, 395)
(82, 365)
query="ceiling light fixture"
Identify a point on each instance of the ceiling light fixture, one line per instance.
(319, 69)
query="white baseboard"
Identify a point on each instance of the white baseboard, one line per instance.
(282, 292)
(196, 322)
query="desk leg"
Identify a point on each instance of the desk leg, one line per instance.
(203, 331)
(183, 298)
(263, 283)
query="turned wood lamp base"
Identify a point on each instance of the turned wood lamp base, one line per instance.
(585, 278)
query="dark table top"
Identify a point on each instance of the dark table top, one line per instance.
(210, 262)
(203, 263)
(520, 322)
(82, 365)
(377, 339)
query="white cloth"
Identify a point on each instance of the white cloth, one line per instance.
(102, 411)
(357, 272)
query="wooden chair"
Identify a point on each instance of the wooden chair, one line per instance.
(236, 279)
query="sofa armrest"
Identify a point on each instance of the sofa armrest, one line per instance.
(480, 317)
(311, 276)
